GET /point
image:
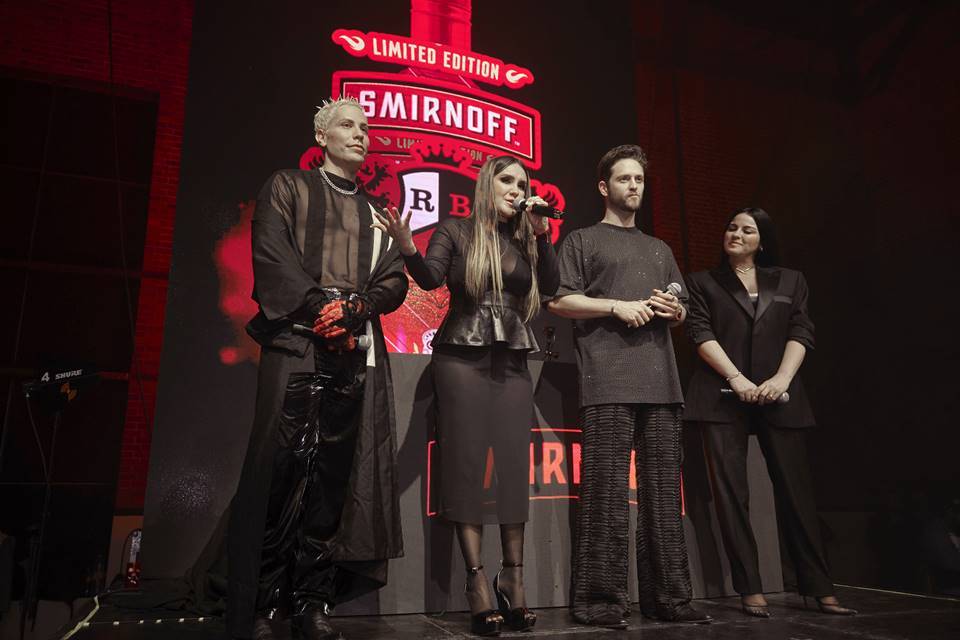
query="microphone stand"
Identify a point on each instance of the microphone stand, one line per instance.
(551, 333)
(30, 596)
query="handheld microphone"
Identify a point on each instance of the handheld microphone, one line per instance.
(544, 210)
(364, 342)
(783, 399)
(672, 288)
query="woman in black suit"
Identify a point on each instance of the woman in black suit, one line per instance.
(748, 319)
(497, 263)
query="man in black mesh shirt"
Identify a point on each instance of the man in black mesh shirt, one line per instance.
(316, 514)
(613, 284)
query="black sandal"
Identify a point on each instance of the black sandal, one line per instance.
(487, 622)
(828, 608)
(519, 619)
(755, 610)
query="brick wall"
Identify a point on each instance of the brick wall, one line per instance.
(151, 44)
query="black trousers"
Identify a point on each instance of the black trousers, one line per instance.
(785, 451)
(601, 552)
(311, 472)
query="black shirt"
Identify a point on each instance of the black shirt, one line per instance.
(620, 365)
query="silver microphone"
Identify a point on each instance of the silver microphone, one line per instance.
(364, 342)
(673, 288)
(783, 399)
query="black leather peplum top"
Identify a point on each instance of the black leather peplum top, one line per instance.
(480, 322)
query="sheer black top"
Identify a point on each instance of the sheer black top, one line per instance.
(307, 236)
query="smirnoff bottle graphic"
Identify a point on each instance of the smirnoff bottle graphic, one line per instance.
(431, 127)
(437, 127)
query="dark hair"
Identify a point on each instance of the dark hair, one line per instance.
(624, 151)
(768, 255)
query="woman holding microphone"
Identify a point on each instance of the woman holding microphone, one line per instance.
(748, 319)
(496, 262)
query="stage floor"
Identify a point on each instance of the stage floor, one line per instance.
(883, 615)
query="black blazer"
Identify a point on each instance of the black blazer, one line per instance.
(754, 339)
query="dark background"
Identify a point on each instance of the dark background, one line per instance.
(839, 118)
(69, 296)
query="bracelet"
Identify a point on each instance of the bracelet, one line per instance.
(732, 377)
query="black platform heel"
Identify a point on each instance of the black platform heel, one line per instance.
(519, 619)
(485, 623)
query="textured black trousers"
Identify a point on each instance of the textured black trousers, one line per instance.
(311, 472)
(601, 547)
(785, 451)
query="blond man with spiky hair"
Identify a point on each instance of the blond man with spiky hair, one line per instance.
(306, 530)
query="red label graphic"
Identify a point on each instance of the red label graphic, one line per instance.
(403, 110)
(555, 458)
(385, 47)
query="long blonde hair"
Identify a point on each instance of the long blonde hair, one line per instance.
(483, 258)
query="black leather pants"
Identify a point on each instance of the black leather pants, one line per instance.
(311, 471)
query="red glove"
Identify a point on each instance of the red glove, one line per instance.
(334, 315)
(325, 325)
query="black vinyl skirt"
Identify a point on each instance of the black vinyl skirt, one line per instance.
(485, 406)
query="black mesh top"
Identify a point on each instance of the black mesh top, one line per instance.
(618, 364)
(480, 323)
(307, 236)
